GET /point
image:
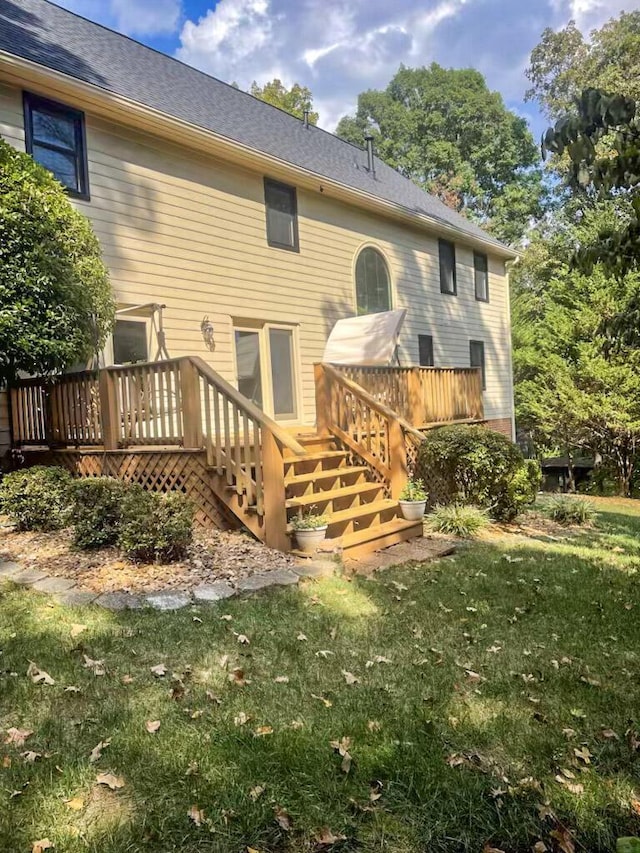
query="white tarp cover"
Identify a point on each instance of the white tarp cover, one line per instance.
(369, 339)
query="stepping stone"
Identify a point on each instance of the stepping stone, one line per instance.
(168, 600)
(52, 585)
(255, 582)
(28, 576)
(119, 601)
(315, 569)
(8, 570)
(283, 577)
(213, 592)
(75, 597)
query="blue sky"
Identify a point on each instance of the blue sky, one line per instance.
(338, 48)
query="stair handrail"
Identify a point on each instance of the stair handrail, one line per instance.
(411, 431)
(253, 411)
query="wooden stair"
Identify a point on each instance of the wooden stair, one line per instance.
(362, 518)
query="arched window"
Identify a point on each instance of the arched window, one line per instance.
(373, 288)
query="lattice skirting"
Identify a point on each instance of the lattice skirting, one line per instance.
(157, 470)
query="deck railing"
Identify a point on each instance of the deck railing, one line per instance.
(371, 430)
(423, 396)
(174, 403)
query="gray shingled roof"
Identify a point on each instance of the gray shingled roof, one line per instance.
(61, 40)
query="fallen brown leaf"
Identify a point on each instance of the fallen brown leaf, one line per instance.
(349, 677)
(236, 676)
(256, 792)
(77, 628)
(96, 752)
(17, 737)
(196, 815)
(326, 702)
(152, 726)
(244, 640)
(110, 780)
(96, 666)
(283, 818)
(160, 670)
(281, 679)
(39, 676)
(263, 730)
(563, 839)
(31, 757)
(374, 726)
(324, 837)
(240, 719)
(76, 804)
(42, 845)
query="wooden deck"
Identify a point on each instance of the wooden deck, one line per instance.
(178, 425)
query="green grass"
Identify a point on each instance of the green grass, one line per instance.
(550, 626)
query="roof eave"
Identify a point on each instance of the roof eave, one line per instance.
(204, 139)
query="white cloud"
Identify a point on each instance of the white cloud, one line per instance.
(591, 14)
(133, 17)
(336, 47)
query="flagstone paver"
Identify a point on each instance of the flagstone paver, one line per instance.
(213, 592)
(75, 597)
(254, 583)
(119, 601)
(54, 585)
(7, 569)
(28, 576)
(168, 600)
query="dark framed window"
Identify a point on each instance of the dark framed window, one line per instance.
(282, 215)
(481, 276)
(55, 138)
(373, 285)
(476, 359)
(130, 342)
(425, 350)
(447, 254)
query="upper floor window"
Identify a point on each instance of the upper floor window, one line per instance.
(476, 359)
(447, 254)
(55, 138)
(481, 276)
(282, 215)
(373, 286)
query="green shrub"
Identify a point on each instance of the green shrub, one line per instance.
(37, 498)
(568, 510)
(155, 526)
(97, 511)
(457, 519)
(413, 490)
(475, 465)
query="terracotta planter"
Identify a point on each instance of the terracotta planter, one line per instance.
(413, 510)
(309, 540)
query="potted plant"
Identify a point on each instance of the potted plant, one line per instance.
(413, 500)
(310, 529)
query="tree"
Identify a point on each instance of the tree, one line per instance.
(445, 129)
(564, 63)
(574, 390)
(295, 100)
(56, 305)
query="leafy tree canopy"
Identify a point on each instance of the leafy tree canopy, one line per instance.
(295, 100)
(56, 305)
(576, 387)
(446, 130)
(565, 62)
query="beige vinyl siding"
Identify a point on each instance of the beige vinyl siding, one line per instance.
(188, 231)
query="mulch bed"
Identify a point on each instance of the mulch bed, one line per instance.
(213, 556)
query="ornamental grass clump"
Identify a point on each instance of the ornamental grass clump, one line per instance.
(458, 520)
(567, 510)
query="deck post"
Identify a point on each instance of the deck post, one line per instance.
(322, 399)
(109, 413)
(191, 414)
(397, 459)
(275, 511)
(416, 397)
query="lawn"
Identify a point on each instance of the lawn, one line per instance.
(489, 699)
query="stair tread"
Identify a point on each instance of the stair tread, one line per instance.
(325, 474)
(319, 455)
(332, 494)
(377, 531)
(362, 510)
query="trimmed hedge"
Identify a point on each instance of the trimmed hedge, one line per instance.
(473, 465)
(155, 526)
(97, 511)
(37, 498)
